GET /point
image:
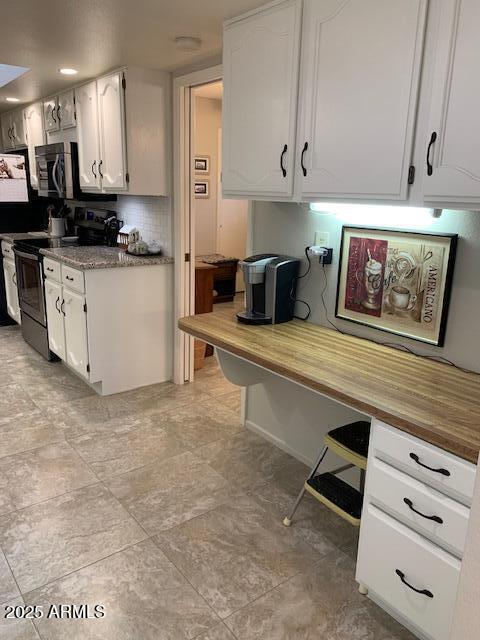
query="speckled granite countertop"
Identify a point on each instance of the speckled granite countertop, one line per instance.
(101, 257)
(11, 237)
(215, 258)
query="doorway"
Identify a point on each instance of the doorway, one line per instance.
(210, 231)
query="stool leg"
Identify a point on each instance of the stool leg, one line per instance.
(287, 521)
(362, 481)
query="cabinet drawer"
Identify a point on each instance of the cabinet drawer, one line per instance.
(391, 557)
(438, 468)
(51, 269)
(7, 250)
(73, 278)
(428, 511)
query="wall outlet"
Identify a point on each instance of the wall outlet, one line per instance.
(322, 239)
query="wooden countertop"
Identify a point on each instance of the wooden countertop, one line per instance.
(434, 401)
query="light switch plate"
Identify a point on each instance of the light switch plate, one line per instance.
(322, 239)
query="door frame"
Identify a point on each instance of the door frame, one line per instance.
(183, 214)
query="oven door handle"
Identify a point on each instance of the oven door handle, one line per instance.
(54, 176)
(27, 256)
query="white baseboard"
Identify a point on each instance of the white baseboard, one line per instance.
(278, 443)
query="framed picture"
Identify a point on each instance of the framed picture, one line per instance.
(202, 164)
(202, 189)
(397, 281)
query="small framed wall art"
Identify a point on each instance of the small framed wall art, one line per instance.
(202, 165)
(202, 189)
(397, 281)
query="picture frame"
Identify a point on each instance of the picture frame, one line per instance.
(396, 281)
(201, 188)
(202, 165)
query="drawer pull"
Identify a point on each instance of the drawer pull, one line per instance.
(409, 504)
(416, 459)
(50, 269)
(422, 592)
(69, 278)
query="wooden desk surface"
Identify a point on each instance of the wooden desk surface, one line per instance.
(433, 401)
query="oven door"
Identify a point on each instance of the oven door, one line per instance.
(30, 285)
(51, 172)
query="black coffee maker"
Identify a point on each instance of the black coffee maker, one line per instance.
(112, 227)
(96, 226)
(270, 286)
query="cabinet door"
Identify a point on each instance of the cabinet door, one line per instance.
(35, 137)
(87, 136)
(75, 322)
(360, 75)
(454, 173)
(6, 126)
(260, 66)
(11, 291)
(111, 119)
(56, 332)
(50, 115)
(18, 129)
(66, 110)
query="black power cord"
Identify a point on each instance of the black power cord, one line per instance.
(309, 310)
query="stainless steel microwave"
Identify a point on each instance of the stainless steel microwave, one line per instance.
(55, 170)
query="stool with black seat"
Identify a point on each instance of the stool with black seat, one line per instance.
(350, 442)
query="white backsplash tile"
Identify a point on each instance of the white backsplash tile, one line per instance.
(151, 215)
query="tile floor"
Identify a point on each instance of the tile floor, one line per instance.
(159, 506)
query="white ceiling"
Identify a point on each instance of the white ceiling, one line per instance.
(96, 35)
(214, 91)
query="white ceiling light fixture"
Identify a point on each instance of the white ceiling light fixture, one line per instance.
(67, 71)
(188, 43)
(12, 99)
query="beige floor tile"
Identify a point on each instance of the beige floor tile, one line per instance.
(56, 537)
(235, 553)
(248, 460)
(14, 401)
(16, 629)
(144, 595)
(166, 494)
(218, 632)
(162, 397)
(27, 431)
(8, 587)
(321, 603)
(32, 476)
(28, 370)
(90, 415)
(121, 452)
(324, 530)
(232, 400)
(199, 423)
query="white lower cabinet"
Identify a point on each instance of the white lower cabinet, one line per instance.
(11, 291)
(67, 326)
(56, 329)
(76, 332)
(105, 327)
(413, 529)
(414, 577)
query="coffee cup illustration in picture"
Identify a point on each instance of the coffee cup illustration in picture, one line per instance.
(401, 299)
(371, 279)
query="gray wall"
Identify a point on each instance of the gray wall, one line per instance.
(295, 418)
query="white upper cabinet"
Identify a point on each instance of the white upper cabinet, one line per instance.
(13, 130)
(360, 75)
(111, 120)
(452, 160)
(50, 116)
(35, 137)
(59, 112)
(66, 110)
(87, 136)
(260, 63)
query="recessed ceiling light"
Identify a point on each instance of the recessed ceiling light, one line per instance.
(68, 72)
(12, 99)
(188, 43)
